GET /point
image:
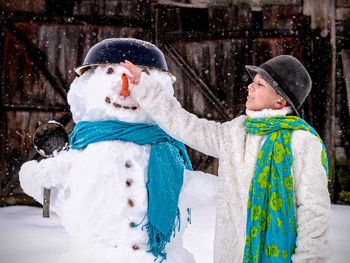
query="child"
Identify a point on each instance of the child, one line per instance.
(273, 203)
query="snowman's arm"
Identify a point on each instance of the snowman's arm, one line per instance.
(48, 173)
(200, 134)
(198, 189)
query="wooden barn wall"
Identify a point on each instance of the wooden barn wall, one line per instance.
(220, 62)
(215, 42)
(221, 65)
(37, 67)
(24, 85)
(342, 137)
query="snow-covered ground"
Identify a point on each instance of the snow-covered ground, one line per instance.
(340, 234)
(26, 237)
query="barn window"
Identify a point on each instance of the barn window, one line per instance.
(59, 7)
(257, 20)
(194, 19)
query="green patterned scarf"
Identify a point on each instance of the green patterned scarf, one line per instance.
(271, 221)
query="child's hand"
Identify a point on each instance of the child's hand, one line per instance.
(135, 72)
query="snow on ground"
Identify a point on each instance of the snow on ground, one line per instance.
(26, 237)
(340, 234)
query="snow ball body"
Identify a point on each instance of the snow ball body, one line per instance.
(100, 192)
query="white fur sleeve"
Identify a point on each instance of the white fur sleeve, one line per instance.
(199, 134)
(312, 200)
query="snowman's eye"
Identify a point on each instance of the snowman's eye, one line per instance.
(110, 70)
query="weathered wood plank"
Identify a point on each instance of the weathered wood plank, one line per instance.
(319, 12)
(345, 56)
(342, 3)
(206, 91)
(230, 18)
(238, 34)
(26, 93)
(18, 147)
(281, 17)
(217, 56)
(33, 6)
(118, 20)
(63, 48)
(207, 3)
(109, 8)
(342, 13)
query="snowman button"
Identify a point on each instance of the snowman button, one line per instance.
(132, 224)
(135, 247)
(128, 182)
(128, 164)
(131, 203)
(108, 99)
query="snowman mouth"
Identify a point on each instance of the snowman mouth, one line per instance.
(116, 105)
(119, 106)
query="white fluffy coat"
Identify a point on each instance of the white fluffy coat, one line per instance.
(237, 152)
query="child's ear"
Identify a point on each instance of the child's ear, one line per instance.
(280, 103)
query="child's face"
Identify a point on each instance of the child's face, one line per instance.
(262, 96)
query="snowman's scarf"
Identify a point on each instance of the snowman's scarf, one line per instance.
(167, 161)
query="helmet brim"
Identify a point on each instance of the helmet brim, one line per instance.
(80, 70)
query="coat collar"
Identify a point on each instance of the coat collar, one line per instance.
(265, 113)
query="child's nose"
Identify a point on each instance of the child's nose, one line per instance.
(251, 87)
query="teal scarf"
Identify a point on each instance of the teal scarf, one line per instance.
(271, 221)
(167, 161)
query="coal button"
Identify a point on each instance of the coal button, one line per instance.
(128, 164)
(128, 182)
(135, 247)
(131, 203)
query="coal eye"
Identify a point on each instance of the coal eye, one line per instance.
(110, 70)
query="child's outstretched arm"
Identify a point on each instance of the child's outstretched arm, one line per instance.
(312, 201)
(200, 134)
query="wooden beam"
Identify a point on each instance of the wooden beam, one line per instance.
(198, 4)
(39, 59)
(3, 119)
(12, 184)
(206, 91)
(76, 19)
(238, 34)
(345, 56)
(18, 199)
(342, 13)
(320, 12)
(23, 107)
(330, 123)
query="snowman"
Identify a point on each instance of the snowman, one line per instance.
(124, 188)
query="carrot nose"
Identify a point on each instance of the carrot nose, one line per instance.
(125, 86)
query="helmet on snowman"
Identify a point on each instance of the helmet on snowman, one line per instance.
(117, 50)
